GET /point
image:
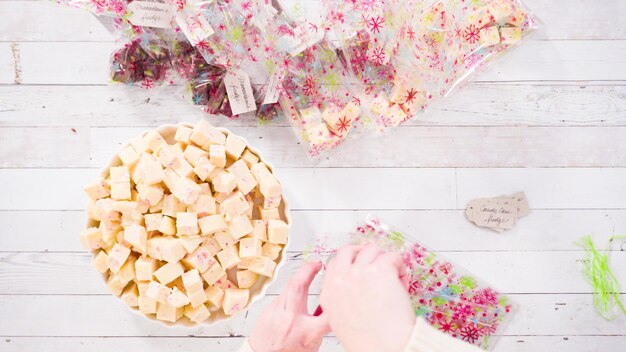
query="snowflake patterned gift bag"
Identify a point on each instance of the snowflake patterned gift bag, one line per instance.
(444, 294)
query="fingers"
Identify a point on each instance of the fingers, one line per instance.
(392, 261)
(317, 327)
(368, 254)
(344, 258)
(295, 295)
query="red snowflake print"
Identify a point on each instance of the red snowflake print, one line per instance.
(472, 34)
(458, 32)
(343, 124)
(283, 29)
(98, 4)
(246, 5)
(447, 327)
(147, 83)
(378, 56)
(309, 86)
(470, 333)
(180, 4)
(411, 34)
(410, 96)
(375, 24)
(221, 27)
(253, 58)
(202, 44)
(414, 287)
(356, 101)
(313, 27)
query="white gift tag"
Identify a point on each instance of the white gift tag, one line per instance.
(195, 27)
(239, 92)
(150, 14)
(273, 90)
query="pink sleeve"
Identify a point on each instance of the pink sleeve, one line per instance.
(425, 338)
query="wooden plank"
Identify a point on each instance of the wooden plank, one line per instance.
(95, 344)
(510, 272)
(417, 146)
(499, 104)
(582, 21)
(561, 315)
(305, 188)
(88, 62)
(442, 230)
(547, 187)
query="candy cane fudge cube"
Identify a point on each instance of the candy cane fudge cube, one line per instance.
(250, 247)
(97, 190)
(139, 144)
(235, 300)
(147, 305)
(234, 146)
(169, 272)
(277, 231)
(187, 224)
(240, 226)
(154, 140)
(310, 115)
(212, 224)
(158, 291)
(177, 298)
(500, 9)
(203, 134)
(249, 157)
(119, 174)
(172, 206)
(262, 266)
(91, 238)
(148, 170)
(137, 236)
(246, 278)
(186, 190)
(212, 245)
(198, 314)
(197, 297)
(120, 190)
(192, 154)
(203, 168)
(318, 134)
(268, 214)
(201, 258)
(115, 285)
(224, 182)
(225, 239)
(236, 204)
(145, 268)
(271, 250)
(191, 242)
(272, 202)
(128, 156)
(167, 312)
(109, 230)
(228, 257)
(168, 226)
(100, 262)
(183, 134)
(204, 206)
(117, 257)
(151, 193)
(259, 230)
(214, 273)
(127, 271)
(166, 248)
(192, 280)
(396, 115)
(489, 36)
(510, 35)
(130, 295)
(214, 295)
(153, 221)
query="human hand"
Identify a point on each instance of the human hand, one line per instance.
(285, 325)
(365, 300)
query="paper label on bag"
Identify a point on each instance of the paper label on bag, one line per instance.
(239, 92)
(273, 90)
(495, 213)
(304, 38)
(150, 14)
(195, 27)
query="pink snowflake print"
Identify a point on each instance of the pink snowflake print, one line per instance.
(458, 32)
(356, 101)
(283, 29)
(246, 5)
(313, 27)
(253, 58)
(378, 56)
(98, 4)
(343, 124)
(202, 44)
(147, 83)
(375, 24)
(470, 333)
(180, 4)
(472, 34)
(410, 96)
(221, 27)
(411, 34)
(309, 86)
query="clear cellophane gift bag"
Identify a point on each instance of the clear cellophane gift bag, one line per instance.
(446, 295)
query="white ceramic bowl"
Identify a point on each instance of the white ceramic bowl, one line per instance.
(260, 287)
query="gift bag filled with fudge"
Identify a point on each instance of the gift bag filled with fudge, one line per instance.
(446, 295)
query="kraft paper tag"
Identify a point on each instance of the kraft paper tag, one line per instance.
(273, 90)
(195, 27)
(496, 214)
(150, 14)
(522, 204)
(304, 38)
(239, 92)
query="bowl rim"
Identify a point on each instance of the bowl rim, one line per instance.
(184, 322)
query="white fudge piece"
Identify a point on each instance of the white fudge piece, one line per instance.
(158, 292)
(115, 285)
(183, 134)
(117, 257)
(259, 230)
(128, 156)
(130, 295)
(234, 146)
(489, 36)
(246, 181)
(225, 239)
(198, 314)
(212, 224)
(177, 298)
(153, 221)
(139, 144)
(246, 278)
(100, 262)
(236, 204)
(169, 272)
(167, 312)
(172, 206)
(91, 238)
(215, 295)
(510, 35)
(249, 157)
(203, 168)
(201, 258)
(191, 242)
(204, 206)
(109, 230)
(127, 271)
(145, 268)
(186, 190)
(192, 280)
(197, 297)
(272, 202)
(148, 170)
(119, 174)
(166, 248)
(187, 224)
(151, 193)
(310, 115)
(235, 300)
(154, 140)
(168, 226)
(147, 305)
(192, 154)
(240, 226)
(120, 190)
(137, 236)
(224, 182)
(204, 134)
(268, 214)
(228, 257)
(271, 250)
(98, 190)
(277, 231)
(214, 273)
(262, 266)
(217, 155)
(250, 247)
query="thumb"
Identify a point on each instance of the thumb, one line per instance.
(317, 327)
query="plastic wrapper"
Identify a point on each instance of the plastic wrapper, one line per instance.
(443, 293)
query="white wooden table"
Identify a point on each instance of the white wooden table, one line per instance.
(548, 119)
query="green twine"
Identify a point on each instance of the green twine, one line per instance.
(606, 288)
